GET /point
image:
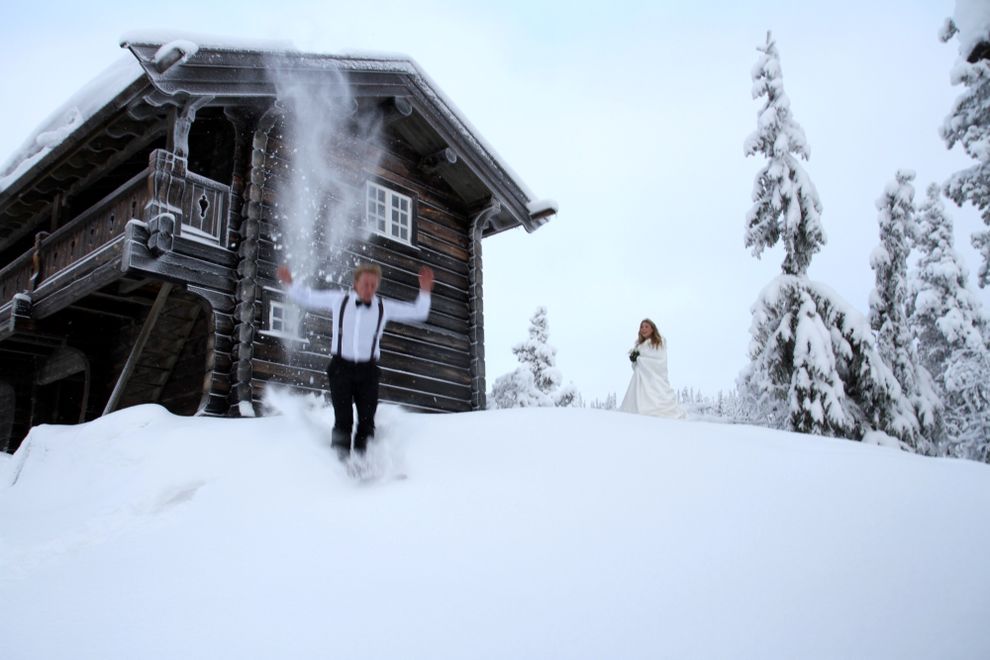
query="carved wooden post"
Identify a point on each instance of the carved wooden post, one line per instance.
(243, 121)
(163, 212)
(37, 272)
(168, 179)
(182, 119)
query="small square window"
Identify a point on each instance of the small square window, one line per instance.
(284, 320)
(278, 317)
(389, 213)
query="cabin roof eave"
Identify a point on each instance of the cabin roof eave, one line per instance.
(48, 168)
(375, 75)
(205, 71)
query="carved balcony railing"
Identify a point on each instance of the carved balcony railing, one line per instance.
(83, 235)
(164, 195)
(204, 208)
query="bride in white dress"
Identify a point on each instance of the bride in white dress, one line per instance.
(649, 391)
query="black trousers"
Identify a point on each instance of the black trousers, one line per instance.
(353, 384)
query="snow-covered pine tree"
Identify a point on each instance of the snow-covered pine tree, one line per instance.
(940, 298)
(888, 308)
(813, 365)
(967, 395)
(537, 382)
(789, 380)
(786, 205)
(968, 123)
(792, 380)
(537, 355)
(874, 400)
(946, 323)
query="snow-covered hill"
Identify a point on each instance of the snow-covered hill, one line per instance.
(530, 533)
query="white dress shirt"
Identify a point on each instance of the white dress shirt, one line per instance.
(359, 321)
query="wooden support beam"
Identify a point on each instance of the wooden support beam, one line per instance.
(435, 162)
(396, 109)
(149, 324)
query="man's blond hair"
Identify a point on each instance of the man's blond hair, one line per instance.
(361, 269)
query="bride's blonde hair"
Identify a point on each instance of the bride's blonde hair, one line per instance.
(655, 338)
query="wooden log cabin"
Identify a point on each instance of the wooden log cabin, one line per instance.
(139, 237)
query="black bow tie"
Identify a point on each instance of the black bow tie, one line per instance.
(361, 303)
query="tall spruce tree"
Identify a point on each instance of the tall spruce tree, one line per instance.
(813, 365)
(968, 124)
(791, 378)
(947, 327)
(888, 307)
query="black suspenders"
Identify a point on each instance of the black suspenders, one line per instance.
(378, 329)
(340, 326)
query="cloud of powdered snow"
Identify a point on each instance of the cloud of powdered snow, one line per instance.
(328, 149)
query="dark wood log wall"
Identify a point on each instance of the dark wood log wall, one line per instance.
(426, 366)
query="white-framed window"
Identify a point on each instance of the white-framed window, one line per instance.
(284, 320)
(389, 213)
(278, 318)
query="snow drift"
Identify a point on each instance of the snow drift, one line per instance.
(528, 533)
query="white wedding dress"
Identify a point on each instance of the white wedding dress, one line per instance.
(649, 391)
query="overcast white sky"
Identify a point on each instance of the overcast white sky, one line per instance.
(631, 115)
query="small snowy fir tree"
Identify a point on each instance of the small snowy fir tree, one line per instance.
(813, 365)
(786, 205)
(537, 382)
(608, 403)
(517, 389)
(947, 328)
(968, 123)
(888, 307)
(723, 407)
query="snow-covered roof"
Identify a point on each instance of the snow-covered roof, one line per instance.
(74, 113)
(212, 41)
(156, 54)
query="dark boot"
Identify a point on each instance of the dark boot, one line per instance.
(340, 440)
(361, 443)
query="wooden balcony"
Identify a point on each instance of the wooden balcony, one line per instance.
(91, 243)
